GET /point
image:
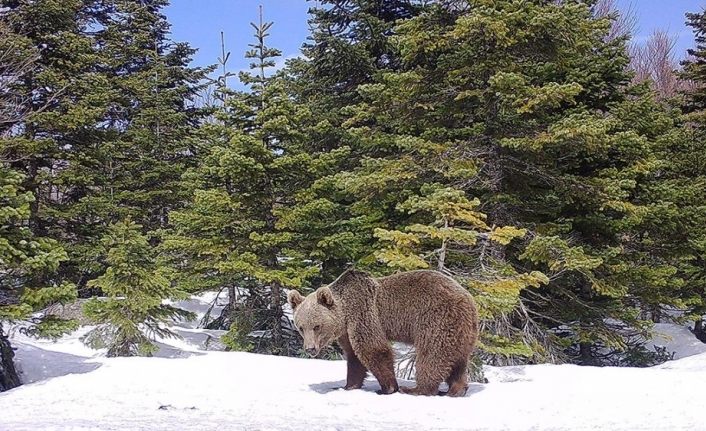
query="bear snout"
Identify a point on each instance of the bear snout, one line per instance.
(312, 351)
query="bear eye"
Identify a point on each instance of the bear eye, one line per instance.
(316, 328)
(301, 329)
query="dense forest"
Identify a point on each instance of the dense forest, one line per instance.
(528, 149)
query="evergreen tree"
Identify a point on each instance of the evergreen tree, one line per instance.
(680, 190)
(695, 69)
(133, 313)
(28, 266)
(67, 102)
(230, 235)
(493, 100)
(113, 116)
(447, 233)
(145, 147)
(154, 88)
(349, 44)
(28, 263)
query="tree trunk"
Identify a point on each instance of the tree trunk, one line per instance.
(699, 330)
(656, 314)
(277, 314)
(8, 374)
(232, 297)
(585, 354)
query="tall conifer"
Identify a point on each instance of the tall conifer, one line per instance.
(230, 235)
(492, 100)
(28, 263)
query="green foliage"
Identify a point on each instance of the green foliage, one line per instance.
(493, 101)
(232, 233)
(675, 246)
(236, 339)
(454, 228)
(453, 222)
(500, 142)
(111, 118)
(28, 263)
(133, 312)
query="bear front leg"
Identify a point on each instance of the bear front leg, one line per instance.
(376, 355)
(356, 370)
(383, 368)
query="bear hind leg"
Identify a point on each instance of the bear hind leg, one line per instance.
(429, 376)
(458, 380)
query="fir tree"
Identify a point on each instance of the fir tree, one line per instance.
(28, 266)
(133, 313)
(494, 101)
(680, 190)
(230, 235)
(109, 138)
(146, 147)
(154, 116)
(28, 263)
(65, 103)
(349, 44)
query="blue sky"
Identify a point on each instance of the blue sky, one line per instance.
(667, 15)
(200, 22)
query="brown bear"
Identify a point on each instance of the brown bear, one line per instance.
(424, 308)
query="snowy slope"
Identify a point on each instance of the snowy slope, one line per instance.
(190, 389)
(245, 391)
(677, 339)
(217, 390)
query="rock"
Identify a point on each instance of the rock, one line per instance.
(70, 311)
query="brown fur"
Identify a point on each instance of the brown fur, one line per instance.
(424, 308)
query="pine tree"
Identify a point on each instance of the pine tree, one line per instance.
(695, 69)
(493, 101)
(155, 88)
(349, 44)
(110, 137)
(133, 313)
(680, 190)
(28, 263)
(28, 266)
(230, 235)
(68, 99)
(136, 170)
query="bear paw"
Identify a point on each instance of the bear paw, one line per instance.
(351, 387)
(419, 391)
(387, 391)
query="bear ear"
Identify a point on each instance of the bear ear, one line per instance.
(295, 299)
(324, 296)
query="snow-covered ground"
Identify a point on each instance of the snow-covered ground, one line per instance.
(676, 339)
(187, 388)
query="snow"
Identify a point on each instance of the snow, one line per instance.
(189, 388)
(677, 339)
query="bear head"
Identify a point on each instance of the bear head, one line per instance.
(318, 318)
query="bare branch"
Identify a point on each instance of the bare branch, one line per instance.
(625, 21)
(655, 62)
